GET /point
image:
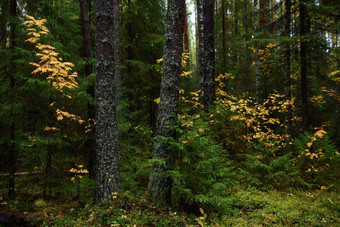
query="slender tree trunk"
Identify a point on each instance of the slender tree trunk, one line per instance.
(224, 61)
(257, 71)
(236, 29)
(87, 51)
(200, 44)
(303, 65)
(108, 167)
(247, 37)
(160, 185)
(205, 14)
(209, 77)
(288, 95)
(3, 24)
(263, 13)
(12, 148)
(85, 24)
(186, 31)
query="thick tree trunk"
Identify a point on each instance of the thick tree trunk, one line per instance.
(288, 95)
(108, 167)
(303, 65)
(85, 24)
(160, 185)
(12, 149)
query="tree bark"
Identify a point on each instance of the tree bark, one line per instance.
(224, 36)
(12, 149)
(186, 31)
(287, 54)
(205, 13)
(160, 185)
(257, 72)
(108, 166)
(248, 82)
(200, 44)
(117, 46)
(303, 64)
(3, 25)
(86, 31)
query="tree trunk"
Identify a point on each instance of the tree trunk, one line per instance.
(87, 51)
(224, 61)
(117, 46)
(85, 24)
(256, 57)
(3, 25)
(288, 95)
(186, 31)
(12, 148)
(205, 13)
(248, 82)
(200, 44)
(108, 167)
(303, 65)
(160, 185)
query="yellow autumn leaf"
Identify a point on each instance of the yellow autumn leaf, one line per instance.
(157, 100)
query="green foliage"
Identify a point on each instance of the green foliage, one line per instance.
(317, 159)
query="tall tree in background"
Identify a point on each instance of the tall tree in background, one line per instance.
(87, 52)
(108, 167)
(256, 54)
(160, 185)
(206, 50)
(304, 31)
(288, 94)
(12, 148)
(86, 32)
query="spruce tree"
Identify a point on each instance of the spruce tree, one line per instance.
(108, 166)
(159, 184)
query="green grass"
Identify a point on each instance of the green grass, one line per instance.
(250, 207)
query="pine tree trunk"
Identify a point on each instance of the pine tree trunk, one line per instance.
(224, 36)
(303, 65)
(205, 14)
(257, 72)
(288, 95)
(160, 185)
(85, 24)
(248, 82)
(87, 51)
(186, 31)
(200, 44)
(108, 167)
(3, 24)
(12, 149)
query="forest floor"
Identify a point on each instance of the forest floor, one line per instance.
(249, 207)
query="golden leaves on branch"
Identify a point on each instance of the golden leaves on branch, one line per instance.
(58, 73)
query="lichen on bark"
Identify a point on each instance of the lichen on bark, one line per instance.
(108, 168)
(159, 184)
